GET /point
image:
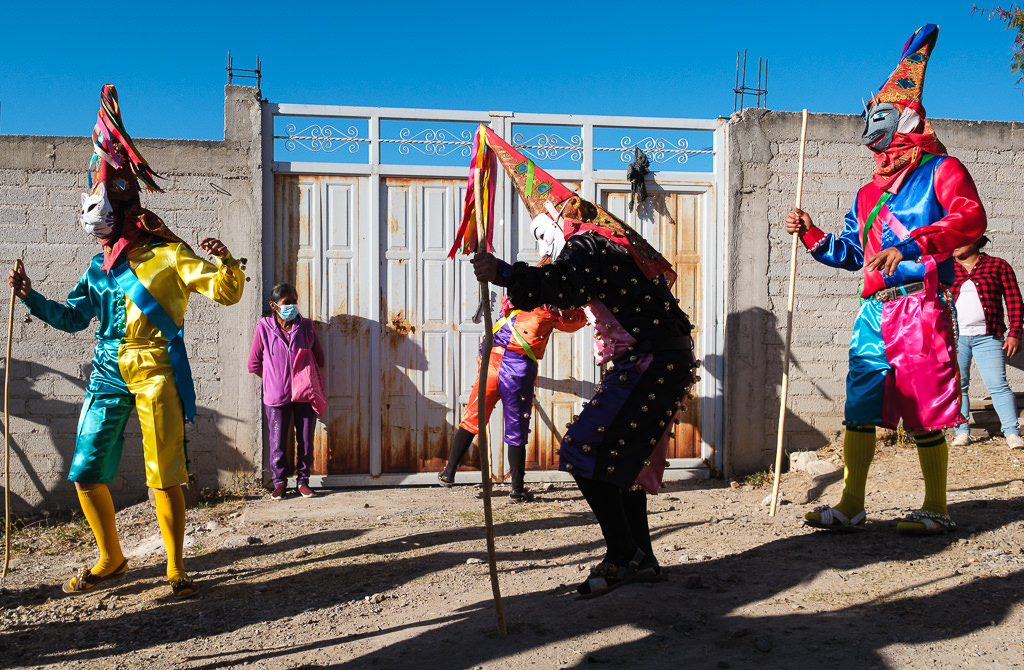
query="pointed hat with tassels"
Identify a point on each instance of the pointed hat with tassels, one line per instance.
(119, 166)
(905, 85)
(117, 161)
(904, 88)
(542, 193)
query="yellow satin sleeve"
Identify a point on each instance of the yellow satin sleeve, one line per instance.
(171, 273)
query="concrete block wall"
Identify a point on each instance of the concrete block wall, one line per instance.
(211, 189)
(763, 150)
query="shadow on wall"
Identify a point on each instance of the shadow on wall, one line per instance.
(40, 482)
(415, 426)
(1017, 363)
(415, 431)
(753, 366)
(43, 444)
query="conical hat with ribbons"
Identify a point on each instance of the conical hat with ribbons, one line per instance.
(905, 85)
(542, 193)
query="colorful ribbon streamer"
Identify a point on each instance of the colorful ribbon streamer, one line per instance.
(483, 158)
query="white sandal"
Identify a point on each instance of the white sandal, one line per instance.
(829, 518)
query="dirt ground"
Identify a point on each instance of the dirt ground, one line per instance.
(398, 578)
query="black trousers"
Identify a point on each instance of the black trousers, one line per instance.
(622, 515)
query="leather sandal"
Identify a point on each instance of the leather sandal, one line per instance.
(920, 522)
(84, 580)
(829, 518)
(606, 577)
(183, 588)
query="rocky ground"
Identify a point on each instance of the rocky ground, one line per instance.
(398, 578)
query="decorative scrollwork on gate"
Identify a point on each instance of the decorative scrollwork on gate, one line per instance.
(433, 142)
(658, 149)
(321, 137)
(549, 146)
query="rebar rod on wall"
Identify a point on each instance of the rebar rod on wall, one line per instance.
(741, 89)
(243, 73)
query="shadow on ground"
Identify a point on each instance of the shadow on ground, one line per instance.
(699, 616)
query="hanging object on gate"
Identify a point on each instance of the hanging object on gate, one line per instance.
(635, 173)
(541, 193)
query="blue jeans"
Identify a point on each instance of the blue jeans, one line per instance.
(987, 352)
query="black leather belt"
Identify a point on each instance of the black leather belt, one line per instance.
(896, 292)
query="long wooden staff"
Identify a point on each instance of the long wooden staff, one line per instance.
(789, 324)
(481, 394)
(7, 442)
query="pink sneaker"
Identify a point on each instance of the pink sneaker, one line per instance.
(305, 491)
(278, 493)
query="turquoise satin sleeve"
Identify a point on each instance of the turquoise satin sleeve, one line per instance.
(95, 296)
(74, 315)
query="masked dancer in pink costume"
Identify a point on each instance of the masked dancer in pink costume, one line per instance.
(920, 205)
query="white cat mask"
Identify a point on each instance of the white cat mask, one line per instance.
(549, 236)
(97, 217)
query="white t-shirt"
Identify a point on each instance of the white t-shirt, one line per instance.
(970, 315)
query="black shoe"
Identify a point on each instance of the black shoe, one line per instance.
(520, 495)
(446, 481)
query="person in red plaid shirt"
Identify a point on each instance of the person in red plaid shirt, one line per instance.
(983, 282)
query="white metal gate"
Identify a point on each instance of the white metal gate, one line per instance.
(365, 203)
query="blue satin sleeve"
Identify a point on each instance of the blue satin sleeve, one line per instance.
(910, 249)
(844, 252)
(908, 270)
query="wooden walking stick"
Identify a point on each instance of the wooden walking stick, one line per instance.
(7, 442)
(485, 359)
(789, 324)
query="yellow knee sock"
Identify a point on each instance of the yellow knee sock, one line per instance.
(99, 512)
(933, 453)
(858, 452)
(170, 512)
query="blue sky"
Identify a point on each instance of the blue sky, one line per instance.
(624, 58)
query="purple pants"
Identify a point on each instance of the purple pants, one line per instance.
(278, 420)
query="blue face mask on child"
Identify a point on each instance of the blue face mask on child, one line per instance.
(288, 312)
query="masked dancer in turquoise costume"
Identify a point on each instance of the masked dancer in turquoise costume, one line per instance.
(920, 205)
(137, 288)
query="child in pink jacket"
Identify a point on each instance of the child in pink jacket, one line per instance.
(278, 340)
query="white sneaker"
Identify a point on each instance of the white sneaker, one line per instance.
(964, 440)
(1015, 441)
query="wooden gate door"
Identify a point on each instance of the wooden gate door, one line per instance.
(671, 222)
(418, 310)
(318, 249)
